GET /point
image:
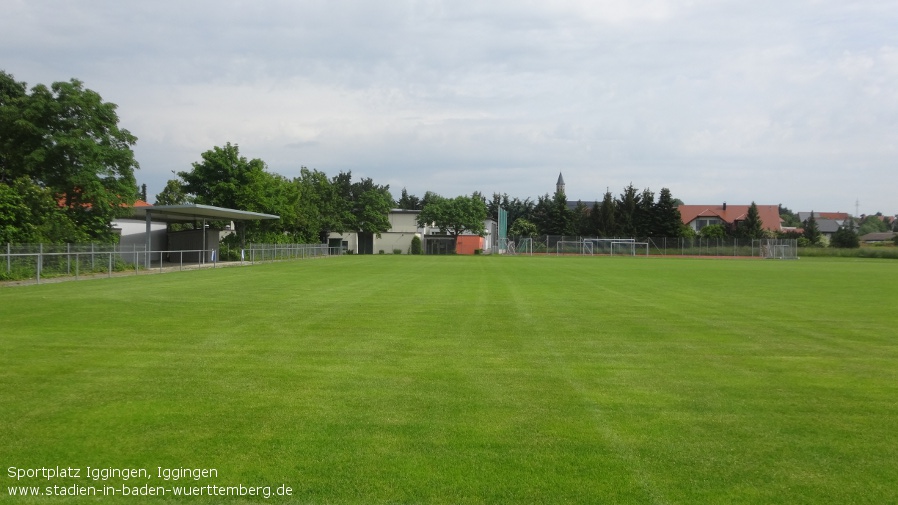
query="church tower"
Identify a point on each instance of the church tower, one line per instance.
(559, 186)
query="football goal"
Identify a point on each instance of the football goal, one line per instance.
(617, 246)
(781, 249)
(577, 247)
(601, 246)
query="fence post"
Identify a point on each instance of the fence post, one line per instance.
(40, 260)
(68, 259)
(110, 264)
(8, 258)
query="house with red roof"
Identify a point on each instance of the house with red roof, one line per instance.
(699, 216)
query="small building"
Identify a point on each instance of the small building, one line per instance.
(878, 237)
(403, 228)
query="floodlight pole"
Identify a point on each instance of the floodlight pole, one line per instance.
(149, 244)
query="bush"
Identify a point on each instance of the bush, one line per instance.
(416, 245)
(397, 251)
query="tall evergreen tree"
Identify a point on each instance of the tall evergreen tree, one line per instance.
(580, 222)
(645, 215)
(408, 202)
(595, 220)
(667, 221)
(752, 226)
(626, 210)
(811, 230)
(607, 222)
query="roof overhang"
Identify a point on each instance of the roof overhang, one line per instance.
(196, 212)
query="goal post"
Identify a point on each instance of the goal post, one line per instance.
(781, 249)
(601, 246)
(577, 247)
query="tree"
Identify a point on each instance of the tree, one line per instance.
(371, 206)
(66, 139)
(30, 214)
(224, 178)
(625, 212)
(580, 223)
(752, 226)
(811, 231)
(667, 222)
(173, 194)
(314, 204)
(845, 237)
(872, 224)
(644, 216)
(454, 216)
(515, 207)
(408, 202)
(607, 221)
(713, 231)
(522, 228)
(789, 218)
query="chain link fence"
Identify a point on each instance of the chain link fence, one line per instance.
(654, 246)
(37, 262)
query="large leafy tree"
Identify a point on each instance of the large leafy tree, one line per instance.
(522, 228)
(66, 140)
(224, 178)
(371, 204)
(173, 194)
(339, 205)
(454, 216)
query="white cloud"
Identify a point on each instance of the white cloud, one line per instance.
(765, 101)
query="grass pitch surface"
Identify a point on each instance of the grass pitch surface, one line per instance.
(389, 379)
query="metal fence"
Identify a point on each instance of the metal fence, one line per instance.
(661, 246)
(39, 262)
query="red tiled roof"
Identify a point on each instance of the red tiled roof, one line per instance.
(137, 203)
(769, 214)
(837, 216)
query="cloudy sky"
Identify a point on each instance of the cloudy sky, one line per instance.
(774, 102)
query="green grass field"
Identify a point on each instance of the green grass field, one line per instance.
(387, 379)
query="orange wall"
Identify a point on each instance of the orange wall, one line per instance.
(467, 243)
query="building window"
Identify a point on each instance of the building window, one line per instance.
(701, 222)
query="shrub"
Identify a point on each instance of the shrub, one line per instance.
(397, 251)
(416, 245)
